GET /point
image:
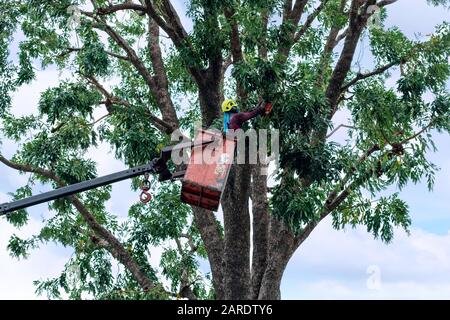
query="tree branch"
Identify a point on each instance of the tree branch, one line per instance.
(260, 211)
(100, 119)
(262, 47)
(330, 44)
(151, 11)
(357, 23)
(384, 3)
(309, 20)
(112, 54)
(226, 64)
(235, 40)
(291, 21)
(120, 7)
(337, 128)
(161, 90)
(429, 126)
(236, 49)
(341, 36)
(98, 85)
(185, 285)
(190, 242)
(287, 10)
(361, 76)
(174, 19)
(132, 55)
(121, 42)
(175, 30)
(111, 99)
(297, 11)
(334, 199)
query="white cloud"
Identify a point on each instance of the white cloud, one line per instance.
(333, 264)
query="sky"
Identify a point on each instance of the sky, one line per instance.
(331, 264)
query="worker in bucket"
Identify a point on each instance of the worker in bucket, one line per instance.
(233, 119)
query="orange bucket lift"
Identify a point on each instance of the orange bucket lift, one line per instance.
(207, 173)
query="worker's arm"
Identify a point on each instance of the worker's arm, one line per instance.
(238, 119)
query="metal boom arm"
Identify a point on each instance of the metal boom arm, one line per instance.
(157, 165)
(75, 188)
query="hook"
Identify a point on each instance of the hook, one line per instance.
(145, 197)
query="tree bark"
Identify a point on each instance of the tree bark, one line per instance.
(282, 245)
(207, 224)
(210, 95)
(260, 210)
(162, 94)
(356, 26)
(237, 234)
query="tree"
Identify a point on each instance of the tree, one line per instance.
(297, 54)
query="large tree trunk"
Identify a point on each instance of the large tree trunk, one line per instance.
(237, 234)
(282, 245)
(207, 224)
(210, 97)
(260, 210)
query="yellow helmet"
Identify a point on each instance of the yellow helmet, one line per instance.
(228, 104)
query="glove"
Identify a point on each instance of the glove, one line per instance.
(267, 108)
